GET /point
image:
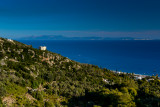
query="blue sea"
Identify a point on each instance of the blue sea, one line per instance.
(140, 57)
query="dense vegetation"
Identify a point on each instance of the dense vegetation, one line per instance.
(31, 77)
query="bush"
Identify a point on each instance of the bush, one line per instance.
(2, 91)
(49, 104)
(35, 84)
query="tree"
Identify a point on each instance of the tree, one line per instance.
(2, 90)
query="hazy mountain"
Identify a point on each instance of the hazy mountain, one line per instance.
(60, 37)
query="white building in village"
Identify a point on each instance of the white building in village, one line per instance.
(43, 48)
(138, 78)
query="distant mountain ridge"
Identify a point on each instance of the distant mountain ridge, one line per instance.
(60, 37)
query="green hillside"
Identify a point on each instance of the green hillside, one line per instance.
(31, 77)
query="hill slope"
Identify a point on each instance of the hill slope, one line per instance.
(31, 77)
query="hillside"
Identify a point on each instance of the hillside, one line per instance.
(31, 77)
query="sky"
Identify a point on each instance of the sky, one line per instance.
(84, 18)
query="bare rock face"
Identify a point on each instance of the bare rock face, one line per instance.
(30, 98)
(8, 101)
(2, 62)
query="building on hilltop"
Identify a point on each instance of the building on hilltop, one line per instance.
(10, 40)
(43, 48)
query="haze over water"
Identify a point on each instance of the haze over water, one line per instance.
(141, 57)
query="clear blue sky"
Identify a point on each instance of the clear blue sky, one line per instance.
(107, 18)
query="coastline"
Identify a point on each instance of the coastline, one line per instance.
(136, 76)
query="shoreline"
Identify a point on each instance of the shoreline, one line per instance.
(137, 76)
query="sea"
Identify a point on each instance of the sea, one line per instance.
(131, 56)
